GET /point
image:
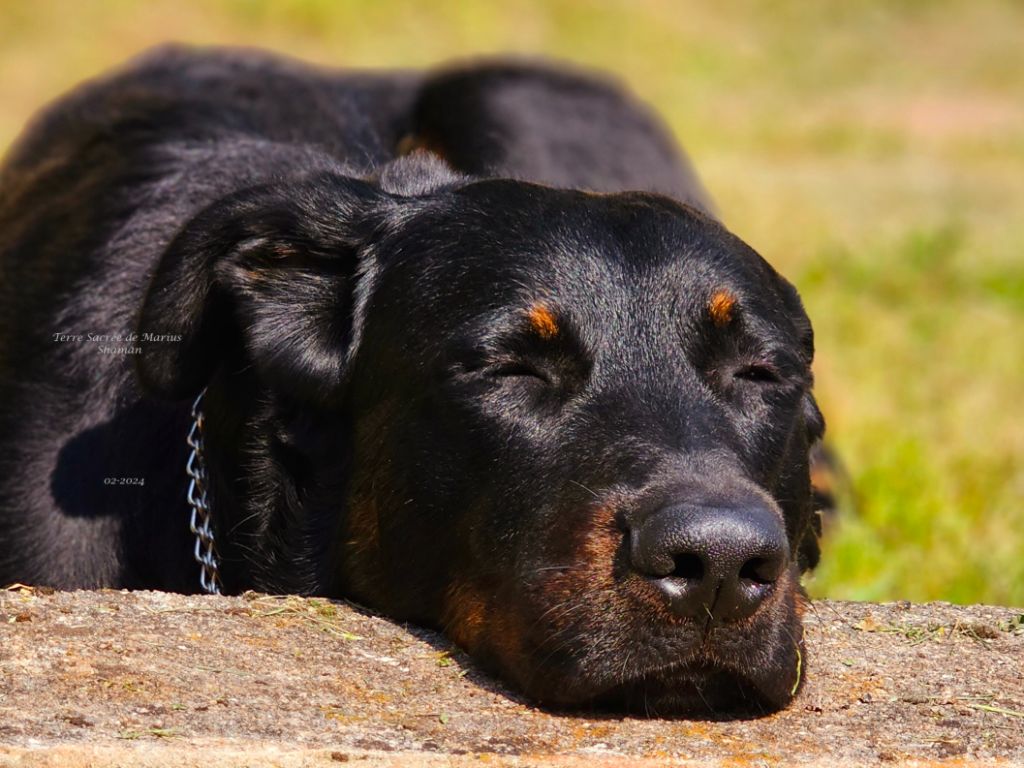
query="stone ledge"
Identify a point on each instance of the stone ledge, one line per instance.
(151, 679)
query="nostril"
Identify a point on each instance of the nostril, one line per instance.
(688, 566)
(725, 560)
(760, 570)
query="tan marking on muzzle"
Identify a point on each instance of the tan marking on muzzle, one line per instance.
(465, 615)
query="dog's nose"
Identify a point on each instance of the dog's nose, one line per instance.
(711, 563)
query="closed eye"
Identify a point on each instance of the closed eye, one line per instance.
(761, 373)
(518, 369)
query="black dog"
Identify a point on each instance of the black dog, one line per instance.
(479, 386)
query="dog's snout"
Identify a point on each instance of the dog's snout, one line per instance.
(711, 562)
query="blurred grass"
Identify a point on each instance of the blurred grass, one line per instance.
(873, 151)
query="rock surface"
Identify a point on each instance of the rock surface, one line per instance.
(151, 679)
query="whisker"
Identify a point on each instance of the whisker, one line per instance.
(242, 522)
(568, 567)
(569, 608)
(591, 491)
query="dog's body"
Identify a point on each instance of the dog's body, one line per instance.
(433, 387)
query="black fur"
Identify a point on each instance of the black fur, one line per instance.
(384, 419)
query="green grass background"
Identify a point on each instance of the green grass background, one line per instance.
(873, 151)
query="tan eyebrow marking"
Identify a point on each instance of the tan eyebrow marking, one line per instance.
(721, 306)
(543, 321)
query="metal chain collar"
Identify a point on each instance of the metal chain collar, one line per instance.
(198, 498)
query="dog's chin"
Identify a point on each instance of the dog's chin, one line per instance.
(746, 682)
(686, 692)
(699, 692)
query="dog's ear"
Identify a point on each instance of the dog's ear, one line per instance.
(269, 270)
(814, 422)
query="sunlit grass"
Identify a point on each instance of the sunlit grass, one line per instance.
(873, 151)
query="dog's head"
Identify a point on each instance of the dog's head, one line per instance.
(570, 429)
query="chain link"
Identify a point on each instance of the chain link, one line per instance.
(205, 552)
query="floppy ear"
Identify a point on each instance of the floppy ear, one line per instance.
(269, 270)
(814, 422)
(808, 546)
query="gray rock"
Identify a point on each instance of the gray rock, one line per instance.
(151, 679)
